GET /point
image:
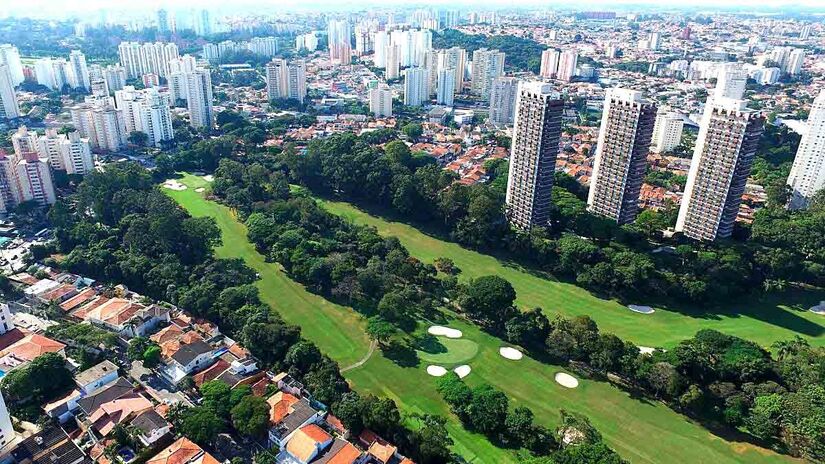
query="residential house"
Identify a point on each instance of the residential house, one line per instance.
(287, 414)
(88, 382)
(49, 446)
(307, 443)
(184, 356)
(183, 451)
(150, 427)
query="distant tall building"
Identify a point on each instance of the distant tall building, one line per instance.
(9, 107)
(731, 82)
(35, 179)
(146, 111)
(392, 68)
(725, 148)
(77, 154)
(415, 86)
(199, 99)
(115, 77)
(286, 80)
(795, 61)
(363, 39)
(503, 100)
(108, 128)
(80, 71)
(10, 56)
(381, 101)
(308, 42)
(24, 141)
(533, 152)
(454, 58)
(808, 172)
(163, 21)
(202, 23)
(146, 58)
(487, 65)
(339, 39)
(621, 155)
(568, 61)
(380, 42)
(805, 32)
(48, 147)
(789, 59)
(667, 133)
(549, 63)
(446, 87)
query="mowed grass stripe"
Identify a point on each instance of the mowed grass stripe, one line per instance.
(764, 320)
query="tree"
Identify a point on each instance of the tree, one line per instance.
(432, 440)
(490, 299)
(445, 265)
(251, 416)
(398, 152)
(201, 424)
(487, 411)
(151, 357)
(42, 379)
(138, 138)
(380, 330)
(413, 131)
(215, 395)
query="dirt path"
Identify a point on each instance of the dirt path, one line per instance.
(363, 360)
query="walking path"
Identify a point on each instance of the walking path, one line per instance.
(364, 359)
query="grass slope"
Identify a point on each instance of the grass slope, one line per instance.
(763, 321)
(641, 431)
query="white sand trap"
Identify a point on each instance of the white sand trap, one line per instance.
(462, 371)
(436, 371)
(566, 380)
(173, 184)
(819, 309)
(646, 350)
(641, 309)
(209, 178)
(444, 331)
(510, 353)
(200, 189)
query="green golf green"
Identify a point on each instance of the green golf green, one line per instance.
(446, 351)
(641, 431)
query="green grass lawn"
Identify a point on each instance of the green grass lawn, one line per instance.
(448, 352)
(763, 320)
(641, 431)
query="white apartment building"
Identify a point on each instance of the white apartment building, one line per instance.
(549, 63)
(415, 86)
(487, 65)
(286, 80)
(10, 56)
(35, 179)
(503, 100)
(445, 94)
(807, 175)
(381, 101)
(199, 99)
(568, 61)
(80, 72)
(146, 58)
(9, 106)
(667, 133)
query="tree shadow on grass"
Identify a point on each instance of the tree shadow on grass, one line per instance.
(429, 344)
(401, 354)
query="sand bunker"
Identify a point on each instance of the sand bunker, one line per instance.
(173, 184)
(819, 309)
(566, 380)
(444, 331)
(200, 189)
(209, 177)
(436, 371)
(646, 350)
(510, 353)
(462, 371)
(641, 309)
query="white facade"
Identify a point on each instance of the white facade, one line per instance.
(80, 72)
(549, 63)
(446, 87)
(667, 133)
(503, 100)
(48, 147)
(10, 56)
(339, 35)
(9, 107)
(567, 65)
(146, 58)
(35, 179)
(109, 128)
(415, 86)
(199, 99)
(808, 172)
(7, 434)
(487, 65)
(731, 82)
(286, 80)
(77, 154)
(380, 43)
(454, 58)
(381, 101)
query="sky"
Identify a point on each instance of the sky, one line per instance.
(57, 8)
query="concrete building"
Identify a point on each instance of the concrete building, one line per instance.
(621, 155)
(667, 133)
(454, 58)
(339, 39)
(731, 82)
(533, 154)
(392, 62)
(415, 86)
(9, 106)
(549, 63)
(380, 42)
(446, 87)
(487, 65)
(286, 80)
(808, 171)
(48, 147)
(77, 154)
(725, 148)
(381, 101)
(503, 100)
(35, 179)
(568, 61)
(146, 58)
(7, 434)
(10, 56)
(199, 99)
(80, 72)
